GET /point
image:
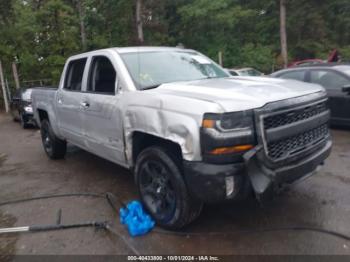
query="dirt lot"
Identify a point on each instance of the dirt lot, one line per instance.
(25, 171)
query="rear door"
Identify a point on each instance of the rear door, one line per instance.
(339, 101)
(103, 127)
(69, 97)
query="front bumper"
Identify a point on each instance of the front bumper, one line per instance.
(209, 182)
(29, 118)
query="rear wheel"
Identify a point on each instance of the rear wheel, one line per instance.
(163, 190)
(54, 147)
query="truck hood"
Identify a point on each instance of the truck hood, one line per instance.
(238, 93)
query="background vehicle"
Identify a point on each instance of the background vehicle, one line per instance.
(335, 78)
(306, 62)
(245, 72)
(191, 133)
(333, 57)
(21, 107)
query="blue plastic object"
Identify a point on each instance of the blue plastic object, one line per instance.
(136, 219)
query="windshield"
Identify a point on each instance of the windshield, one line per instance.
(26, 95)
(151, 69)
(345, 69)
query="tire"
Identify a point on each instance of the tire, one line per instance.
(163, 190)
(23, 121)
(54, 147)
(15, 118)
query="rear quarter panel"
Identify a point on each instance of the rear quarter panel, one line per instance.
(45, 99)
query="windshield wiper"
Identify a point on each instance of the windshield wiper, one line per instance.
(210, 77)
(150, 87)
(156, 85)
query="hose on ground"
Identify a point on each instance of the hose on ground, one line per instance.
(111, 198)
(254, 231)
(16, 201)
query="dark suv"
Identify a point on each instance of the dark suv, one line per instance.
(335, 78)
(21, 107)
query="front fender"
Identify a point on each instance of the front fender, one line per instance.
(171, 125)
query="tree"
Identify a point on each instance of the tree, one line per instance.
(139, 24)
(283, 32)
(39, 35)
(81, 12)
(57, 36)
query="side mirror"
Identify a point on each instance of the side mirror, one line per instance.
(118, 89)
(346, 89)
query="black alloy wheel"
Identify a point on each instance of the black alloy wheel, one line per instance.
(54, 147)
(163, 190)
(157, 189)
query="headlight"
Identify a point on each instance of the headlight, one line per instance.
(28, 109)
(225, 137)
(236, 121)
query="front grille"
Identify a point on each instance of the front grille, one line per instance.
(295, 144)
(294, 115)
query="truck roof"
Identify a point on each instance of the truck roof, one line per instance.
(147, 49)
(132, 49)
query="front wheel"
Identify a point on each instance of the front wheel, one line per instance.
(24, 121)
(54, 147)
(163, 190)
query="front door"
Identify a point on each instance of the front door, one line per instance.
(102, 115)
(339, 101)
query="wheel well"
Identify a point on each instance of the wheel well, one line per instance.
(143, 140)
(43, 115)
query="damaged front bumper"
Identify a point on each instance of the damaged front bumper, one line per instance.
(264, 179)
(213, 183)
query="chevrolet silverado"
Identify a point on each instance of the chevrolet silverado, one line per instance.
(189, 132)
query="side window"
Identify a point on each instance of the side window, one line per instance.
(328, 79)
(74, 75)
(296, 75)
(102, 76)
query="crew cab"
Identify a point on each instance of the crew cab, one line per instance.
(190, 133)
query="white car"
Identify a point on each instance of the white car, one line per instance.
(248, 71)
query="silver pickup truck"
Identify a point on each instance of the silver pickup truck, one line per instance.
(190, 133)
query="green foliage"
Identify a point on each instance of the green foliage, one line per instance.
(345, 53)
(257, 56)
(57, 35)
(40, 35)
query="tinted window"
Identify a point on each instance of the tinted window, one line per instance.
(26, 95)
(328, 79)
(74, 75)
(102, 76)
(296, 75)
(17, 95)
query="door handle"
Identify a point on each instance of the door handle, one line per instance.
(84, 105)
